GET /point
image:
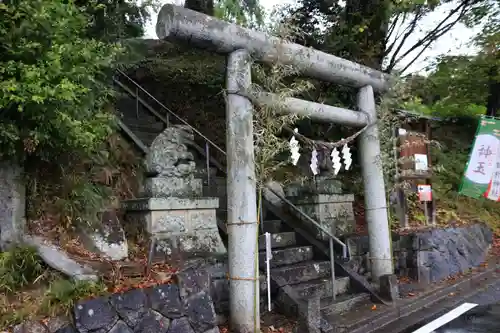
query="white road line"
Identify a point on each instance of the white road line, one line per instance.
(444, 319)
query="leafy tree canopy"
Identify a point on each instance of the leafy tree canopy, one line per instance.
(465, 85)
(53, 89)
(377, 33)
(116, 19)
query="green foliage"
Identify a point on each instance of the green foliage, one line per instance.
(116, 19)
(52, 89)
(245, 13)
(19, 267)
(56, 110)
(458, 86)
(62, 294)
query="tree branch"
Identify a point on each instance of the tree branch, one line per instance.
(392, 27)
(409, 30)
(417, 56)
(430, 41)
(432, 35)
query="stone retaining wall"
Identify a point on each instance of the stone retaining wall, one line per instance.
(183, 307)
(431, 255)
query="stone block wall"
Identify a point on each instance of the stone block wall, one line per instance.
(432, 255)
(186, 306)
(218, 270)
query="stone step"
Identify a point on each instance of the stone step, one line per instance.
(130, 116)
(343, 303)
(272, 226)
(220, 180)
(137, 127)
(301, 272)
(322, 287)
(287, 256)
(147, 138)
(278, 240)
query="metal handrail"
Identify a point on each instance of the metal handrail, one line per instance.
(332, 238)
(310, 219)
(138, 86)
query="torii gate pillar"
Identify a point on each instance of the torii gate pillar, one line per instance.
(202, 31)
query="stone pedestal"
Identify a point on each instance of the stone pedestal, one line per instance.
(319, 185)
(172, 210)
(173, 186)
(323, 201)
(333, 211)
(185, 225)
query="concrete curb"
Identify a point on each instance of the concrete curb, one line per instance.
(425, 307)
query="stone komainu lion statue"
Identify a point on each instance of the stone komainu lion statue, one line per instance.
(169, 155)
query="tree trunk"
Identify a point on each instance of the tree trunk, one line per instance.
(202, 6)
(493, 104)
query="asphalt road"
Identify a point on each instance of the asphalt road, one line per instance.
(490, 295)
(481, 319)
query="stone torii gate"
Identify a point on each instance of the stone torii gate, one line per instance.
(242, 46)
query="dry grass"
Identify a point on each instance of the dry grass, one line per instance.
(31, 290)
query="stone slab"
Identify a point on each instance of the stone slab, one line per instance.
(107, 237)
(30, 327)
(59, 260)
(12, 205)
(172, 203)
(130, 306)
(389, 288)
(158, 187)
(95, 315)
(310, 316)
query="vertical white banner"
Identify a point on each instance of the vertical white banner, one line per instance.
(483, 159)
(494, 187)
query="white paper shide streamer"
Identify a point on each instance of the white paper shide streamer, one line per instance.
(346, 155)
(336, 161)
(294, 148)
(314, 162)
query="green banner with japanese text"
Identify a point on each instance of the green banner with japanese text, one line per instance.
(482, 173)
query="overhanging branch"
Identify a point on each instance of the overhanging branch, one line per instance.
(425, 42)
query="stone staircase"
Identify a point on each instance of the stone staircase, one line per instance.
(298, 265)
(301, 267)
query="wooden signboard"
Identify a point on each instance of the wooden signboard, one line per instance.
(415, 167)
